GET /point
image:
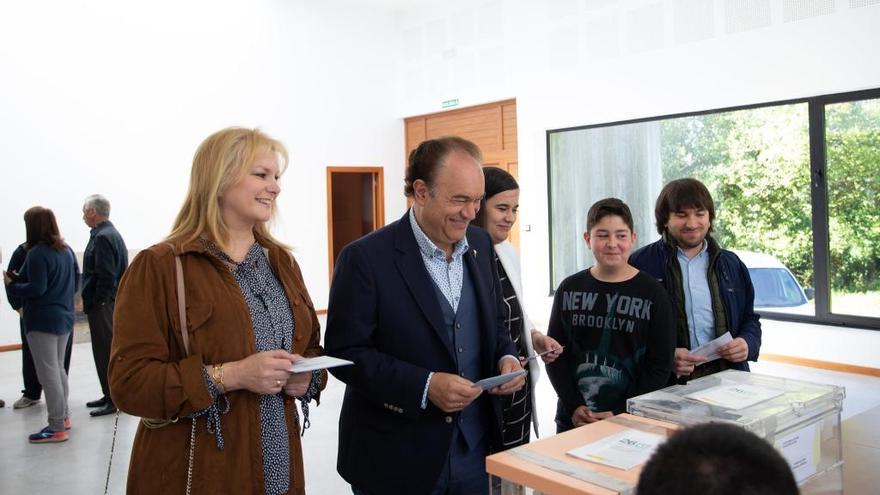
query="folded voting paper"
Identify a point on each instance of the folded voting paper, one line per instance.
(487, 383)
(317, 363)
(709, 350)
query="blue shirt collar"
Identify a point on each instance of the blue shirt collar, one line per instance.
(427, 246)
(702, 252)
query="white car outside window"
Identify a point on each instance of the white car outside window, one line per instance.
(776, 289)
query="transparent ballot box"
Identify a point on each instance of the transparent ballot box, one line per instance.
(801, 419)
(558, 465)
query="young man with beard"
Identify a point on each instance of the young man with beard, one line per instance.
(710, 288)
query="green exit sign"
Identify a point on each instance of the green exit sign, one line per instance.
(450, 103)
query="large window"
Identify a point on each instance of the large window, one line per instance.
(796, 187)
(852, 141)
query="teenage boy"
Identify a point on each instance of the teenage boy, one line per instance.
(614, 322)
(710, 288)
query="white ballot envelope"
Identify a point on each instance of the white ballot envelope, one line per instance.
(317, 363)
(624, 450)
(709, 350)
(487, 383)
(735, 395)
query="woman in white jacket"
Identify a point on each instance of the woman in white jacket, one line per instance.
(497, 215)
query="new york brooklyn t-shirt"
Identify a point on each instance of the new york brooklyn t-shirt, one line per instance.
(619, 341)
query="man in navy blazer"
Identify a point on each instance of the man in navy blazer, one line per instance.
(416, 306)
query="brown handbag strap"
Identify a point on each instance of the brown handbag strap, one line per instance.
(181, 302)
(181, 297)
(156, 423)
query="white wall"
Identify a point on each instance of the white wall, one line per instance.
(572, 62)
(103, 96)
(114, 97)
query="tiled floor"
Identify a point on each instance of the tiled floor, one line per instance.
(79, 466)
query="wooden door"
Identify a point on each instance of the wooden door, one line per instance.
(355, 206)
(492, 127)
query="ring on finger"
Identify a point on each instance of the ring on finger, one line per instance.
(277, 383)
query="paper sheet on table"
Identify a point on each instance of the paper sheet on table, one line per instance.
(317, 363)
(624, 450)
(487, 383)
(709, 350)
(735, 396)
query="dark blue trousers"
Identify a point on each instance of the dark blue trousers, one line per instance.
(464, 472)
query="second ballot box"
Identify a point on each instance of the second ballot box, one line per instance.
(801, 419)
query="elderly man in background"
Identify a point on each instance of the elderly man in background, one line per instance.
(104, 261)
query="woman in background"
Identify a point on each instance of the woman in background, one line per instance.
(45, 286)
(32, 390)
(248, 319)
(497, 214)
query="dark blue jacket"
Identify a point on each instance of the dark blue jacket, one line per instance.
(384, 315)
(104, 261)
(46, 287)
(737, 292)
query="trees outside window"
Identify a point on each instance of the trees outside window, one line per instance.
(798, 181)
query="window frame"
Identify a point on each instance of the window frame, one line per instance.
(818, 199)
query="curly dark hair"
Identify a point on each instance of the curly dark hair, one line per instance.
(716, 459)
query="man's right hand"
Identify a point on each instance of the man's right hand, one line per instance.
(685, 361)
(450, 392)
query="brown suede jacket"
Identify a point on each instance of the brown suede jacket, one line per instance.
(151, 377)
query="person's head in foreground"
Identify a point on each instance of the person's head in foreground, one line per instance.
(716, 459)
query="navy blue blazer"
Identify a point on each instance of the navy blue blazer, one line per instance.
(384, 315)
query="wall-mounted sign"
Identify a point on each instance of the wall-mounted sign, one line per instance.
(450, 103)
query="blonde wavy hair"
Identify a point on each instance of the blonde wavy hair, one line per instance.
(223, 159)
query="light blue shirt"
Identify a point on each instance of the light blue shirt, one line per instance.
(448, 275)
(697, 296)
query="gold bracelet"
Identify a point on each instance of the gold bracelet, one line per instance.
(217, 378)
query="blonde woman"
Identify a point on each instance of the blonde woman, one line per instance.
(223, 415)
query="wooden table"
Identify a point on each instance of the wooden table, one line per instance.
(860, 473)
(510, 465)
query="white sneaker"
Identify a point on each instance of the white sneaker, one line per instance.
(24, 402)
